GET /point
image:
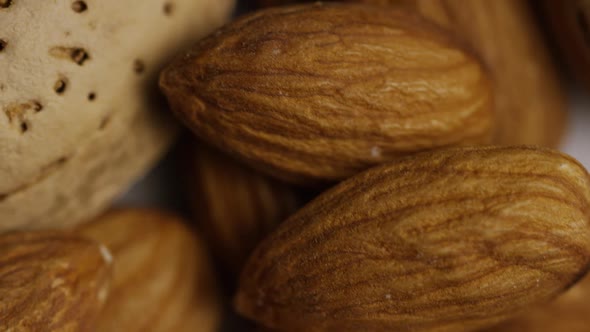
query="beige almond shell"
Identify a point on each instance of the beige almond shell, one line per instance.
(162, 277)
(80, 116)
(450, 240)
(316, 93)
(51, 282)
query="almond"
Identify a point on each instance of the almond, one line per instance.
(570, 24)
(316, 93)
(452, 240)
(162, 279)
(51, 281)
(529, 99)
(235, 206)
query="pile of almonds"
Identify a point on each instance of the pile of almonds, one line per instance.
(384, 165)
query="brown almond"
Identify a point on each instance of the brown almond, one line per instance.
(162, 278)
(51, 281)
(569, 21)
(235, 206)
(316, 93)
(451, 240)
(529, 99)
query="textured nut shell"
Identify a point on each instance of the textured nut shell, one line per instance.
(51, 282)
(235, 206)
(318, 92)
(570, 24)
(570, 312)
(451, 240)
(79, 152)
(528, 97)
(162, 280)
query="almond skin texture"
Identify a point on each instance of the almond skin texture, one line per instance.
(570, 312)
(530, 102)
(316, 93)
(162, 279)
(234, 205)
(570, 24)
(452, 240)
(51, 281)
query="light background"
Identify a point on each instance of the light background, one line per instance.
(577, 140)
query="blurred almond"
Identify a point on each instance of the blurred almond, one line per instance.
(162, 278)
(570, 24)
(570, 312)
(51, 281)
(235, 206)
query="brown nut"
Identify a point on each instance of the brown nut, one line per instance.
(570, 312)
(51, 281)
(162, 278)
(529, 100)
(235, 206)
(316, 93)
(570, 25)
(450, 240)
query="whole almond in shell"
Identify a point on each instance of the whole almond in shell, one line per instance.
(529, 99)
(235, 206)
(80, 119)
(51, 281)
(451, 240)
(317, 93)
(162, 279)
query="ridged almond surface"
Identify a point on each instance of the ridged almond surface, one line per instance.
(529, 100)
(235, 206)
(319, 92)
(51, 281)
(452, 240)
(162, 280)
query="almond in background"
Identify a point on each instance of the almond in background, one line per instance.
(51, 281)
(569, 312)
(528, 95)
(162, 278)
(235, 206)
(570, 23)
